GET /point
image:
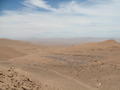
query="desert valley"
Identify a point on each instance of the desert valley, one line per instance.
(86, 66)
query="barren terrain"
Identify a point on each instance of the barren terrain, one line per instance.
(89, 66)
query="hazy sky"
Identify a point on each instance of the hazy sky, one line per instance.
(59, 18)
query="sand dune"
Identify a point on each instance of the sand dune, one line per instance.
(89, 66)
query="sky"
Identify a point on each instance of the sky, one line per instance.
(59, 18)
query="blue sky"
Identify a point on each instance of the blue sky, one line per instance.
(59, 18)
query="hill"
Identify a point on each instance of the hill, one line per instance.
(7, 53)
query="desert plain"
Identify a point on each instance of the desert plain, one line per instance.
(87, 66)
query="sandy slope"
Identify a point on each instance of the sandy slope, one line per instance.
(90, 66)
(7, 53)
(21, 46)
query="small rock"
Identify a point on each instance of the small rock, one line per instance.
(99, 84)
(25, 88)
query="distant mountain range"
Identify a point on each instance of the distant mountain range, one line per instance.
(67, 41)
